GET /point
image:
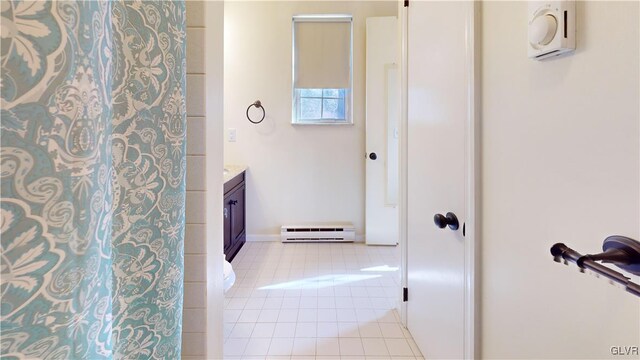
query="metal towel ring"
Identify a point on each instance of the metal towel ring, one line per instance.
(258, 105)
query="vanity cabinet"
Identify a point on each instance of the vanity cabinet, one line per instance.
(234, 216)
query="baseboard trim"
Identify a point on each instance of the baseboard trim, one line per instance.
(272, 237)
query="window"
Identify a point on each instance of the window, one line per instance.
(322, 69)
(321, 104)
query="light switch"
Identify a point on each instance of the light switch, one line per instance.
(231, 135)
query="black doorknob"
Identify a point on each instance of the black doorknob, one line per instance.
(450, 219)
(373, 156)
(233, 202)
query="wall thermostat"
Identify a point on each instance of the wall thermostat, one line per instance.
(552, 28)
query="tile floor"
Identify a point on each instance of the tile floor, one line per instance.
(315, 301)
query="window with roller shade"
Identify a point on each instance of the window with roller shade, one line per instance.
(322, 69)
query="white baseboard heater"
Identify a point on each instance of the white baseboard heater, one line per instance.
(340, 232)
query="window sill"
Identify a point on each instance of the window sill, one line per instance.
(322, 123)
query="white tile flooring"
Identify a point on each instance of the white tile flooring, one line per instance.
(315, 301)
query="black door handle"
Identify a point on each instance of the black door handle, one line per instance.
(233, 202)
(450, 220)
(373, 156)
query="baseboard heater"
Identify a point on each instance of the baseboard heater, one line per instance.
(318, 233)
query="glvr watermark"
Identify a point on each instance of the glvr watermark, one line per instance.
(624, 350)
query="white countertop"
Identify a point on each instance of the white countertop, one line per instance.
(231, 171)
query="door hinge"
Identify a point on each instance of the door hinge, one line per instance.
(405, 294)
(406, 3)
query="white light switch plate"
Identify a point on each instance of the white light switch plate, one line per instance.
(231, 135)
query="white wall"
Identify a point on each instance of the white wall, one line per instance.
(560, 163)
(296, 173)
(214, 15)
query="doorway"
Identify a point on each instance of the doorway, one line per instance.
(301, 173)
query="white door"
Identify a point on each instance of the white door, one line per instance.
(439, 110)
(383, 113)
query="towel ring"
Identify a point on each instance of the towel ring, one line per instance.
(258, 105)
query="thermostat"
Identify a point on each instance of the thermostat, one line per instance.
(552, 29)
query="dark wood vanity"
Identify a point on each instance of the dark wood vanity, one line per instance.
(234, 215)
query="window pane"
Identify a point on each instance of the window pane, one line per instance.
(310, 109)
(332, 93)
(333, 109)
(322, 55)
(310, 92)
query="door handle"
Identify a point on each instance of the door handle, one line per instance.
(450, 220)
(373, 156)
(233, 202)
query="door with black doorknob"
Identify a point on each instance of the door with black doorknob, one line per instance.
(382, 143)
(438, 113)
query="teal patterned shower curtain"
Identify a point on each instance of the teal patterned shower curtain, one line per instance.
(92, 179)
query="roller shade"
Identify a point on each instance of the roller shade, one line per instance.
(322, 53)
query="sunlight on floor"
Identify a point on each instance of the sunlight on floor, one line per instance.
(316, 301)
(381, 268)
(320, 282)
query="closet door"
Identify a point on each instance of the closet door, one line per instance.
(440, 110)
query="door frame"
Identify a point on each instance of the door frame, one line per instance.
(472, 177)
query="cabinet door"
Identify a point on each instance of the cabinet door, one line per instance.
(236, 201)
(227, 224)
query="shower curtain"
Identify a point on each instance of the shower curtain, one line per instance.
(92, 179)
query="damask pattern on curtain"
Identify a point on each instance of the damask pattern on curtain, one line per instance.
(92, 179)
